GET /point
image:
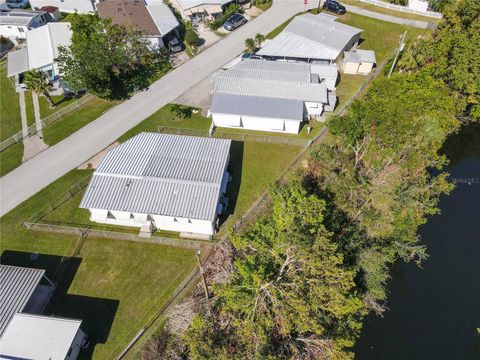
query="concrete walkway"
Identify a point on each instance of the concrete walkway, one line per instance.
(34, 145)
(46, 167)
(23, 113)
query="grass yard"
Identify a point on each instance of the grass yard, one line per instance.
(386, 11)
(118, 285)
(77, 119)
(10, 158)
(265, 6)
(10, 122)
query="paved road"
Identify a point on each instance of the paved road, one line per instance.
(393, 19)
(38, 172)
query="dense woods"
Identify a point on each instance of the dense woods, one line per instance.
(301, 280)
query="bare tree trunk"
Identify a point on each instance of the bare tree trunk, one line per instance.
(49, 99)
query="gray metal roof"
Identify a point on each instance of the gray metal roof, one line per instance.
(325, 71)
(162, 16)
(17, 61)
(257, 106)
(161, 174)
(17, 285)
(360, 56)
(18, 18)
(271, 79)
(312, 37)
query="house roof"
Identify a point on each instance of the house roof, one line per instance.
(17, 285)
(43, 43)
(38, 337)
(270, 79)
(312, 37)
(360, 56)
(152, 19)
(162, 16)
(161, 174)
(325, 71)
(49, 9)
(257, 106)
(18, 18)
(17, 62)
(188, 4)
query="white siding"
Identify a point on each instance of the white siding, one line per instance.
(314, 109)
(256, 123)
(14, 31)
(68, 6)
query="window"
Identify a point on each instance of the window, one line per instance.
(110, 215)
(175, 220)
(21, 29)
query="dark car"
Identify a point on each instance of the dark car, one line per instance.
(334, 6)
(174, 45)
(234, 22)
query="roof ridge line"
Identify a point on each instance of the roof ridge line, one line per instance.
(155, 178)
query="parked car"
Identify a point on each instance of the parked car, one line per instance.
(174, 45)
(234, 22)
(334, 6)
(17, 4)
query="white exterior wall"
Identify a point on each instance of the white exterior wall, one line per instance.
(314, 109)
(209, 10)
(418, 5)
(256, 123)
(76, 345)
(357, 68)
(68, 6)
(155, 42)
(20, 31)
(168, 223)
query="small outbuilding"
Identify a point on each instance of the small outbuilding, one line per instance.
(359, 62)
(53, 12)
(168, 182)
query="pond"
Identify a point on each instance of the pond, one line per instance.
(434, 311)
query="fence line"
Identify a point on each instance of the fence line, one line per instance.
(405, 9)
(235, 136)
(86, 230)
(32, 129)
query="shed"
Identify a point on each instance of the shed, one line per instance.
(53, 11)
(359, 62)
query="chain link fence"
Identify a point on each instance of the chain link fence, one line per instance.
(295, 141)
(32, 129)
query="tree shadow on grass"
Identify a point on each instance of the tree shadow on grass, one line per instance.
(97, 314)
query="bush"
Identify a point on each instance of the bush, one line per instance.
(231, 10)
(191, 37)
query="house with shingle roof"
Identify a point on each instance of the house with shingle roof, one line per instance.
(168, 182)
(272, 95)
(312, 38)
(153, 18)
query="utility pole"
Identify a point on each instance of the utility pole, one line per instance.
(399, 50)
(205, 288)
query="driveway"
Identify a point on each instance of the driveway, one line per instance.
(56, 161)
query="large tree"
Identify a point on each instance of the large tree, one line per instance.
(377, 169)
(290, 295)
(109, 60)
(452, 54)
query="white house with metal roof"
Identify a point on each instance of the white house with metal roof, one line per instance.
(168, 182)
(201, 9)
(67, 6)
(42, 48)
(310, 38)
(41, 337)
(272, 95)
(15, 24)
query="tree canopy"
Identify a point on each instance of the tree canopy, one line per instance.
(109, 60)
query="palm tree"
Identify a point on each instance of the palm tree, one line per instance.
(259, 39)
(250, 45)
(37, 81)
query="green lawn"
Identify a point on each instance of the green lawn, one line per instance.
(386, 11)
(118, 285)
(77, 119)
(265, 6)
(10, 122)
(10, 158)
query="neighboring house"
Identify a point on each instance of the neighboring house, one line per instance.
(42, 337)
(53, 12)
(310, 38)
(15, 24)
(272, 95)
(154, 19)
(193, 10)
(359, 61)
(41, 50)
(68, 6)
(168, 182)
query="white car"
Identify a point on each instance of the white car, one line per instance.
(17, 4)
